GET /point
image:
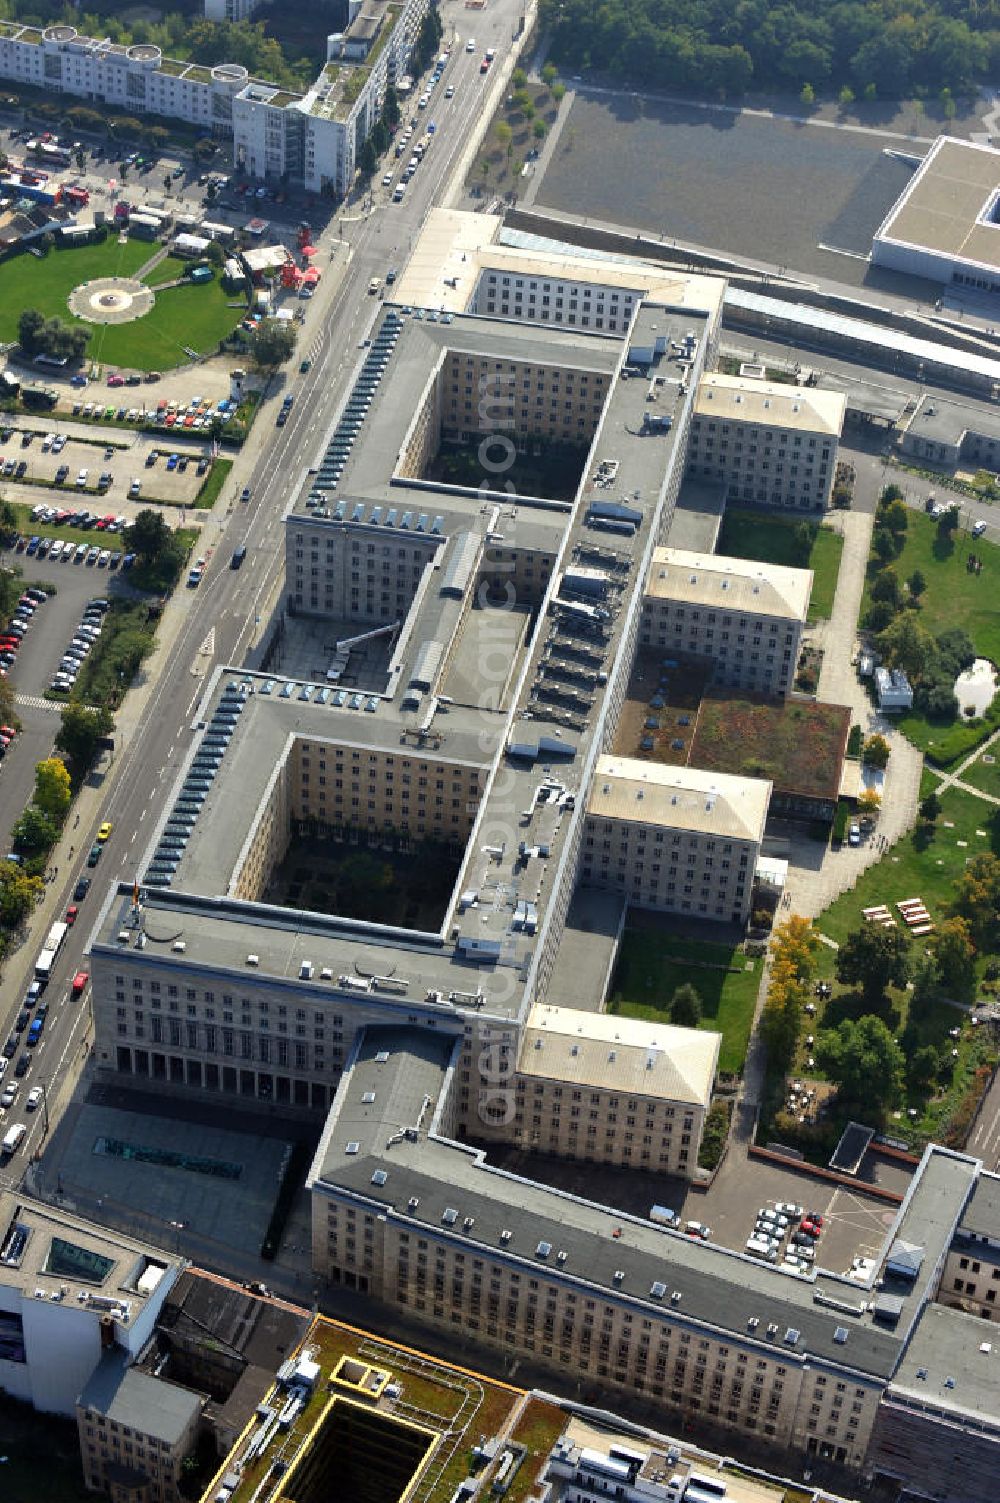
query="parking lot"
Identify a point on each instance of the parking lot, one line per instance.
(37, 659)
(121, 455)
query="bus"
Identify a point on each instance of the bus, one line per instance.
(47, 959)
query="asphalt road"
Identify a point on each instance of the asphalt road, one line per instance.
(231, 607)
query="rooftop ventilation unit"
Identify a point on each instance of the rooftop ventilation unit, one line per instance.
(368, 1097)
(675, 1296)
(792, 1336)
(658, 1290)
(413, 1202)
(253, 960)
(353, 1147)
(619, 1275)
(753, 1323)
(506, 1234)
(840, 1335)
(450, 1216)
(382, 1057)
(543, 1249)
(561, 1256)
(379, 1177)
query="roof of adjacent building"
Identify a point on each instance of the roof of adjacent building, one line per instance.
(745, 399)
(46, 1247)
(679, 798)
(131, 1397)
(982, 1214)
(943, 422)
(455, 248)
(616, 1053)
(738, 584)
(947, 207)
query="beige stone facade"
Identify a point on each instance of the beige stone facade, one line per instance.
(674, 838)
(694, 1373)
(605, 1089)
(770, 445)
(746, 617)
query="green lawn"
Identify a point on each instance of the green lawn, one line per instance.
(651, 966)
(946, 745)
(167, 270)
(29, 282)
(196, 316)
(985, 775)
(912, 869)
(772, 540)
(953, 597)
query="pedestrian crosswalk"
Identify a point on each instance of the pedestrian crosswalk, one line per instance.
(35, 702)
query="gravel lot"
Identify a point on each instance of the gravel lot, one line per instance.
(766, 189)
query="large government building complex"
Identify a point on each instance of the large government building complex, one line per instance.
(463, 654)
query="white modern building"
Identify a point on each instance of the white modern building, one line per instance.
(945, 225)
(69, 1290)
(314, 137)
(230, 10)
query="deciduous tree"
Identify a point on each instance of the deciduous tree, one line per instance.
(873, 959)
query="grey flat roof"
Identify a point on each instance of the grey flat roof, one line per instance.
(131, 1397)
(945, 422)
(722, 1289)
(877, 338)
(982, 1214)
(945, 1366)
(533, 800)
(420, 348)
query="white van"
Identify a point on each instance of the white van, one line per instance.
(13, 1140)
(758, 1248)
(664, 1216)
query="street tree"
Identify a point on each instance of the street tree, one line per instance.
(271, 343)
(884, 544)
(948, 521)
(505, 137)
(53, 790)
(34, 832)
(865, 1063)
(82, 728)
(685, 1006)
(917, 584)
(539, 130)
(148, 535)
(18, 894)
(873, 958)
(869, 801)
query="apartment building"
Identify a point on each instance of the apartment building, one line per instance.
(135, 1431)
(769, 444)
(600, 1088)
(746, 617)
(312, 137)
(139, 79)
(230, 10)
(676, 839)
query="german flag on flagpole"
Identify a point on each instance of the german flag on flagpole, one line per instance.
(135, 893)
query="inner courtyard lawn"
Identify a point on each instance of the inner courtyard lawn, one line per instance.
(651, 966)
